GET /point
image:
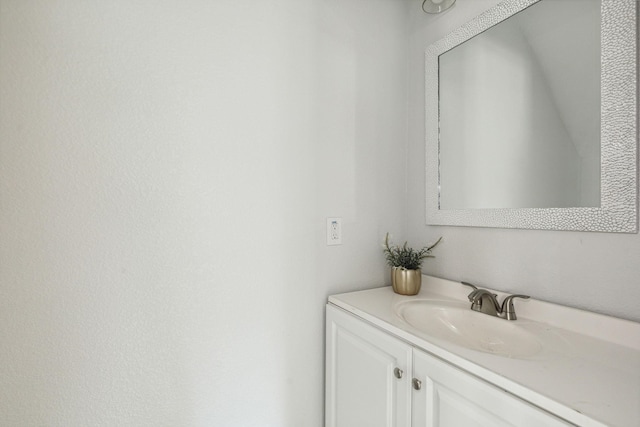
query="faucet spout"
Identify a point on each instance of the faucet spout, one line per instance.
(484, 301)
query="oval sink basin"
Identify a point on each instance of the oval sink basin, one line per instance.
(457, 323)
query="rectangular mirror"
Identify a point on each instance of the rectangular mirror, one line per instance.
(531, 118)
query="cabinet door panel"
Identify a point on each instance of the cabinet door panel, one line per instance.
(362, 387)
(453, 398)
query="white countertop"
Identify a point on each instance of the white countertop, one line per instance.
(588, 371)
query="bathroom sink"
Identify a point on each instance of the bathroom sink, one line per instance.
(455, 322)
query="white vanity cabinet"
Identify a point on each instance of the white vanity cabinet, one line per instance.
(375, 379)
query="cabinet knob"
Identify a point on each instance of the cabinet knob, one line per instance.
(398, 373)
(417, 384)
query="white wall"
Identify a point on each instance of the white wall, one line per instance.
(166, 168)
(595, 271)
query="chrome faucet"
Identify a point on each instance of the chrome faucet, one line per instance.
(486, 302)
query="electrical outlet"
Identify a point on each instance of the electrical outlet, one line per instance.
(334, 231)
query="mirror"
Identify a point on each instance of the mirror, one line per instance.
(531, 118)
(530, 104)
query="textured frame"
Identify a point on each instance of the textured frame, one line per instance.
(618, 174)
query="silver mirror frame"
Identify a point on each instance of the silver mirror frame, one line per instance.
(619, 134)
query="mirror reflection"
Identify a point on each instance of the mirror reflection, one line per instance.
(519, 112)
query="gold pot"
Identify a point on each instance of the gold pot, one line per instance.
(406, 282)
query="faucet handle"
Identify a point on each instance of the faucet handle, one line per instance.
(469, 284)
(508, 310)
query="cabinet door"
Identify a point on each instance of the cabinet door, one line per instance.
(449, 397)
(363, 366)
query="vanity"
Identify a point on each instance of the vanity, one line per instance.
(429, 360)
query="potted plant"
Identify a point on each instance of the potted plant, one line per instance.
(405, 263)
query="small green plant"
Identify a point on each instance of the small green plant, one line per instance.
(404, 257)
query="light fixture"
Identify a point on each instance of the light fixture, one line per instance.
(436, 6)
